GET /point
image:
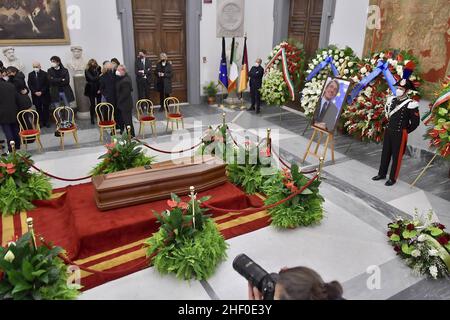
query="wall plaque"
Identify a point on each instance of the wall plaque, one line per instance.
(230, 18)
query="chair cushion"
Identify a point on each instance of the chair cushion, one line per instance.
(68, 129)
(147, 118)
(175, 115)
(29, 132)
(107, 123)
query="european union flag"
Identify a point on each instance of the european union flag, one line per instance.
(223, 75)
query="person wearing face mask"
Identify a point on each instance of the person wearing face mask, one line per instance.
(39, 87)
(92, 89)
(143, 69)
(403, 118)
(163, 74)
(17, 78)
(124, 89)
(59, 84)
(256, 75)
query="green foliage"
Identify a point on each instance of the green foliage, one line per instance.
(217, 142)
(18, 186)
(122, 154)
(210, 89)
(30, 274)
(189, 257)
(303, 210)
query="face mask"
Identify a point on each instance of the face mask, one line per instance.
(118, 74)
(257, 64)
(36, 69)
(6, 78)
(399, 92)
(164, 63)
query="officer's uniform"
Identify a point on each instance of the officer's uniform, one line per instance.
(404, 118)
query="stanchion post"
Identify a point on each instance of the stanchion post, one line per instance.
(320, 169)
(31, 231)
(224, 118)
(192, 189)
(269, 140)
(13, 147)
(129, 133)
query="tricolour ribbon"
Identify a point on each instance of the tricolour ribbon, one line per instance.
(441, 100)
(286, 74)
(382, 68)
(328, 61)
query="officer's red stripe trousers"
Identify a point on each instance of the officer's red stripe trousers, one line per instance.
(401, 152)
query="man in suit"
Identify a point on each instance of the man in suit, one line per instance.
(38, 84)
(164, 74)
(256, 75)
(326, 113)
(124, 89)
(143, 74)
(8, 112)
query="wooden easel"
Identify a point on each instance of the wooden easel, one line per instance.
(329, 143)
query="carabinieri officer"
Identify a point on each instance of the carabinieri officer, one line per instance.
(403, 115)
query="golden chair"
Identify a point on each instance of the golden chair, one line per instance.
(146, 116)
(65, 123)
(29, 127)
(105, 118)
(173, 114)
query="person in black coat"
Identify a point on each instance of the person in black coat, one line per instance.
(38, 84)
(8, 113)
(124, 89)
(59, 83)
(92, 89)
(143, 69)
(256, 75)
(163, 77)
(17, 78)
(108, 89)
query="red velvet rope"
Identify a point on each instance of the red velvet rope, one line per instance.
(168, 152)
(255, 210)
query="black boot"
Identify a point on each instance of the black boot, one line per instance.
(378, 177)
(390, 182)
(252, 108)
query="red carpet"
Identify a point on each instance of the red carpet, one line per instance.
(112, 240)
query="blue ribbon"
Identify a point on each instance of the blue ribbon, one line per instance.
(322, 65)
(382, 68)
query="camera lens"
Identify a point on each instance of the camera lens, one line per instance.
(251, 271)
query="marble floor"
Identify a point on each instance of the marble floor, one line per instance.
(349, 245)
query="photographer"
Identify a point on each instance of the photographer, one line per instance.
(299, 283)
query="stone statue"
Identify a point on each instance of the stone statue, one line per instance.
(11, 59)
(77, 65)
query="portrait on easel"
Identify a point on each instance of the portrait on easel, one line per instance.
(331, 104)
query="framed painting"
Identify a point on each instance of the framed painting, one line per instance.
(33, 22)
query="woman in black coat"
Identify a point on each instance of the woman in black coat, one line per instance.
(59, 81)
(92, 89)
(163, 76)
(17, 78)
(124, 89)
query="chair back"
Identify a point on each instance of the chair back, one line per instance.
(105, 112)
(28, 120)
(144, 109)
(64, 118)
(172, 106)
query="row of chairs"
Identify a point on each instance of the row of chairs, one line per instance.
(65, 120)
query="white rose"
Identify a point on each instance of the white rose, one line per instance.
(394, 63)
(346, 71)
(311, 66)
(364, 70)
(433, 271)
(421, 238)
(337, 64)
(433, 252)
(381, 55)
(315, 61)
(9, 256)
(342, 54)
(373, 61)
(412, 78)
(330, 51)
(350, 64)
(341, 60)
(415, 253)
(336, 58)
(355, 78)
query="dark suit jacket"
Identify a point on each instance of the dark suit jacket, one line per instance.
(92, 81)
(59, 81)
(39, 83)
(256, 75)
(8, 103)
(329, 117)
(164, 83)
(108, 87)
(124, 88)
(147, 68)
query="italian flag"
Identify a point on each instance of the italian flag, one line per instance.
(234, 73)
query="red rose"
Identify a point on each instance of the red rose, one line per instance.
(410, 227)
(397, 249)
(390, 233)
(443, 240)
(440, 226)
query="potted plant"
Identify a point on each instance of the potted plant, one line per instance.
(210, 90)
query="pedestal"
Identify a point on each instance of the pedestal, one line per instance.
(232, 101)
(83, 103)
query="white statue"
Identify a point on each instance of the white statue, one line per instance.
(77, 65)
(11, 59)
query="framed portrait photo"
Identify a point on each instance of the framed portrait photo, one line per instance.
(331, 103)
(33, 22)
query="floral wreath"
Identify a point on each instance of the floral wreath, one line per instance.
(365, 118)
(346, 63)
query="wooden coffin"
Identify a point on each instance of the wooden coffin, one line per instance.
(157, 182)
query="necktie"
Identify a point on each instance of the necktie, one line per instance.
(324, 109)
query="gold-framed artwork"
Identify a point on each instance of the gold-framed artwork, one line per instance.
(33, 22)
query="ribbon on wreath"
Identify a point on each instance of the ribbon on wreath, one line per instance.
(382, 68)
(440, 101)
(286, 74)
(328, 61)
(442, 252)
